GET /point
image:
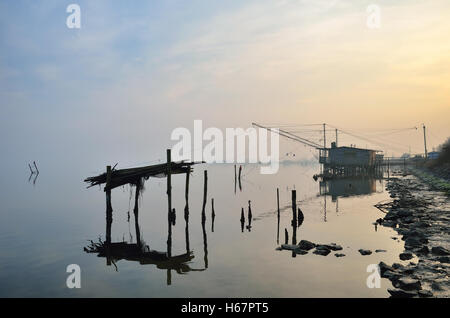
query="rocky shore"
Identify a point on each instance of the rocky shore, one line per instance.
(421, 216)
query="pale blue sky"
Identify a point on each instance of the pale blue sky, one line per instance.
(114, 89)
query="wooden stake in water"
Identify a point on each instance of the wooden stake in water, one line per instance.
(169, 198)
(278, 216)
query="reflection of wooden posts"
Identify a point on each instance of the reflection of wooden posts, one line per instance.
(108, 214)
(169, 197)
(205, 238)
(240, 184)
(242, 220)
(250, 215)
(108, 204)
(278, 216)
(169, 277)
(389, 167)
(286, 236)
(136, 214)
(213, 215)
(186, 212)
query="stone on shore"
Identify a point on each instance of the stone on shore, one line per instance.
(385, 267)
(439, 250)
(322, 250)
(364, 252)
(406, 256)
(306, 245)
(425, 293)
(409, 284)
(289, 247)
(300, 251)
(398, 293)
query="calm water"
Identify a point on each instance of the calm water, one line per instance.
(44, 227)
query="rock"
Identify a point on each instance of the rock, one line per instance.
(339, 255)
(408, 220)
(322, 251)
(439, 250)
(333, 247)
(423, 250)
(306, 245)
(392, 276)
(299, 251)
(405, 256)
(289, 247)
(422, 224)
(407, 283)
(415, 233)
(425, 293)
(444, 259)
(364, 252)
(436, 286)
(404, 213)
(408, 271)
(391, 216)
(385, 267)
(398, 293)
(380, 251)
(397, 265)
(413, 242)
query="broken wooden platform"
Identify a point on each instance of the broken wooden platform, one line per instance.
(135, 175)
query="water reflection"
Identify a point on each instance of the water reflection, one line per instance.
(140, 251)
(347, 187)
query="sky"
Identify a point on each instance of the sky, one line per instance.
(114, 90)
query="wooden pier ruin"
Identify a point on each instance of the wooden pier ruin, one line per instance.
(139, 251)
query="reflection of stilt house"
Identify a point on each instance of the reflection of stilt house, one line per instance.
(347, 187)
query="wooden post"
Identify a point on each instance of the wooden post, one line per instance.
(294, 206)
(286, 236)
(278, 216)
(278, 202)
(186, 195)
(294, 217)
(235, 178)
(136, 214)
(205, 193)
(169, 197)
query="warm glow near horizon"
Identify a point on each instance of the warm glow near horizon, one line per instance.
(147, 69)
